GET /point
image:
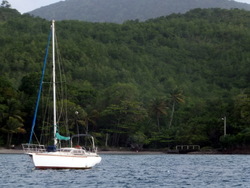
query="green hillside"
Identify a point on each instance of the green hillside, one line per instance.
(118, 11)
(158, 83)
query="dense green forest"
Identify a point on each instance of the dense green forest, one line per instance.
(152, 84)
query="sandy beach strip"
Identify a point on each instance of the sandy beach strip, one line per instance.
(11, 151)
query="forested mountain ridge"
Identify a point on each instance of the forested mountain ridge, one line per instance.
(118, 11)
(161, 82)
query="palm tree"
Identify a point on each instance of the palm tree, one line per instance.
(176, 97)
(14, 125)
(12, 120)
(11, 114)
(159, 107)
(90, 118)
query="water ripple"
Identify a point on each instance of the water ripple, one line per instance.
(133, 171)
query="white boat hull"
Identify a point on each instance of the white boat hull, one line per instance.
(58, 160)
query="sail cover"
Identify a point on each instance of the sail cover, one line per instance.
(60, 137)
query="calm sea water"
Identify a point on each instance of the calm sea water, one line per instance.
(133, 171)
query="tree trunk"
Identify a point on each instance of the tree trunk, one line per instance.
(158, 121)
(172, 115)
(106, 140)
(9, 139)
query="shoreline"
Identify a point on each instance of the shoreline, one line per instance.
(146, 152)
(20, 151)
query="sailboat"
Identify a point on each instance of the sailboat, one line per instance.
(55, 156)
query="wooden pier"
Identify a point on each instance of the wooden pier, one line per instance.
(187, 148)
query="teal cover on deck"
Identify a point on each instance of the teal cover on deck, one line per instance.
(59, 137)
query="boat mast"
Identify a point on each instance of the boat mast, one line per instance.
(54, 80)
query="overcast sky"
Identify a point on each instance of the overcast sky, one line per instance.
(28, 5)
